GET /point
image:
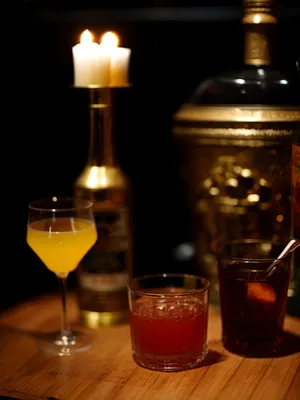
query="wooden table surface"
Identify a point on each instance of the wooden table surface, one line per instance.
(107, 371)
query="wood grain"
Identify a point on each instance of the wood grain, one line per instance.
(107, 371)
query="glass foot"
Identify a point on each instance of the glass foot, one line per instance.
(66, 344)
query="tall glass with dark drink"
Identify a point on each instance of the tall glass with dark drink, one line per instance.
(253, 297)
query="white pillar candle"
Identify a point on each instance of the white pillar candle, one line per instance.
(101, 67)
(84, 54)
(119, 59)
(119, 65)
(103, 64)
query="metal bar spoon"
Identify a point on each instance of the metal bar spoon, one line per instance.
(292, 245)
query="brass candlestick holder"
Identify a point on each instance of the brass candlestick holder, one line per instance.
(101, 156)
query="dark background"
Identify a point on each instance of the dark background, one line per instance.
(175, 45)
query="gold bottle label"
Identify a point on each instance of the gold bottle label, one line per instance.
(103, 273)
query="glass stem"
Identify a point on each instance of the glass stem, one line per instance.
(65, 330)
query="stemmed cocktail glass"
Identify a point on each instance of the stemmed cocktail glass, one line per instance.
(61, 231)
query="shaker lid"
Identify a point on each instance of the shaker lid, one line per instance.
(251, 95)
(255, 107)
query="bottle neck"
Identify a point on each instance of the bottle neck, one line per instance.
(260, 27)
(258, 44)
(101, 151)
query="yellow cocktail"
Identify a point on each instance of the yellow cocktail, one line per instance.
(61, 242)
(61, 231)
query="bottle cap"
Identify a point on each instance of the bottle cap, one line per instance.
(259, 12)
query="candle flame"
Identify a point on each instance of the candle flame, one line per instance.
(86, 37)
(110, 40)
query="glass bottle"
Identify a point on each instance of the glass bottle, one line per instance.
(103, 273)
(235, 134)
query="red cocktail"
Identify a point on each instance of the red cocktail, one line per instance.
(168, 319)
